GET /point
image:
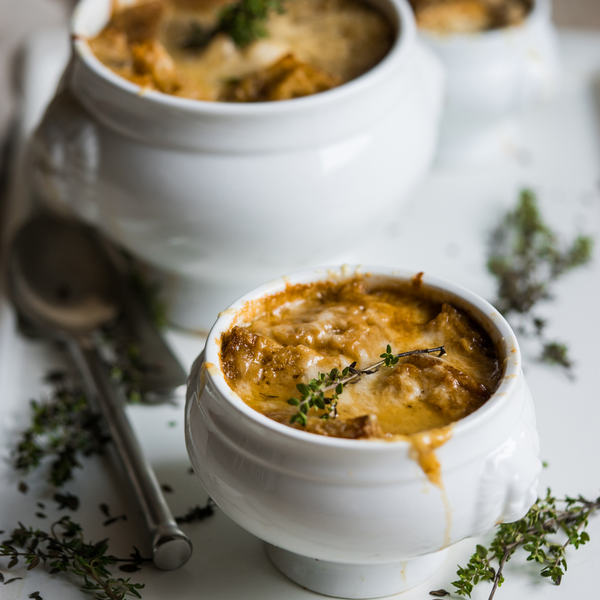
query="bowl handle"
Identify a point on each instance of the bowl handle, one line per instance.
(510, 474)
(64, 155)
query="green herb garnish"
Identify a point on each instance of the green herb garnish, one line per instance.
(536, 534)
(63, 550)
(313, 393)
(526, 258)
(245, 22)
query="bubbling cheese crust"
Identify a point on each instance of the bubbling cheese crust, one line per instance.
(314, 46)
(290, 337)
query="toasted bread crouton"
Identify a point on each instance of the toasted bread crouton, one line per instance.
(151, 58)
(287, 78)
(140, 22)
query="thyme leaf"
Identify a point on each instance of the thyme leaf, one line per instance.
(198, 513)
(62, 429)
(314, 393)
(62, 549)
(527, 258)
(245, 22)
(536, 534)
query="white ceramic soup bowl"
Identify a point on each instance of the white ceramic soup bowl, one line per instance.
(221, 196)
(491, 77)
(359, 518)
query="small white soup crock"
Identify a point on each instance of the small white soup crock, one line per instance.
(359, 518)
(221, 196)
(491, 78)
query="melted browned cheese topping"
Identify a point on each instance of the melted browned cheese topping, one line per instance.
(293, 336)
(469, 16)
(313, 46)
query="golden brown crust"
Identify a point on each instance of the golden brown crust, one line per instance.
(140, 22)
(448, 389)
(287, 78)
(469, 16)
(305, 330)
(112, 48)
(150, 58)
(359, 428)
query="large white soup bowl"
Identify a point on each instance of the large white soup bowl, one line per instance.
(359, 518)
(222, 196)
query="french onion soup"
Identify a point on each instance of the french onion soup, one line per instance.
(469, 16)
(280, 345)
(243, 51)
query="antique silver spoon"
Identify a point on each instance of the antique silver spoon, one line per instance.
(60, 278)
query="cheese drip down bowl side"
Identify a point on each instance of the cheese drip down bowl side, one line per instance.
(185, 185)
(359, 518)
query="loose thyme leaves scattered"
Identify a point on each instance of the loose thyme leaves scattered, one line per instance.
(63, 428)
(67, 500)
(526, 258)
(124, 361)
(198, 513)
(114, 520)
(63, 550)
(535, 533)
(313, 393)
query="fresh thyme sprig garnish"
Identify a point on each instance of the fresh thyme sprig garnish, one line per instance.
(536, 534)
(245, 21)
(313, 393)
(526, 258)
(63, 428)
(63, 550)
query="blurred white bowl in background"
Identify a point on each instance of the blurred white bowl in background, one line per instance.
(491, 77)
(220, 196)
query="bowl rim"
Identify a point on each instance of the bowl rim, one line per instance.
(540, 9)
(511, 377)
(404, 39)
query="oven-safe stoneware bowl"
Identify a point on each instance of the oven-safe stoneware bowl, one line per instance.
(359, 518)
(219, 197)
(491, 78)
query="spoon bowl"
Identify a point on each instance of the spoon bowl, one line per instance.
(62, 277)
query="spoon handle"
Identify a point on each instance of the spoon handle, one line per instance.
(171, 548)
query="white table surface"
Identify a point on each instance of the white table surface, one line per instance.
(443, 230)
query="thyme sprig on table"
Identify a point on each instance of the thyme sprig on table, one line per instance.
(527, 258)
(64, 550)
(536, 534)
(313, 393)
